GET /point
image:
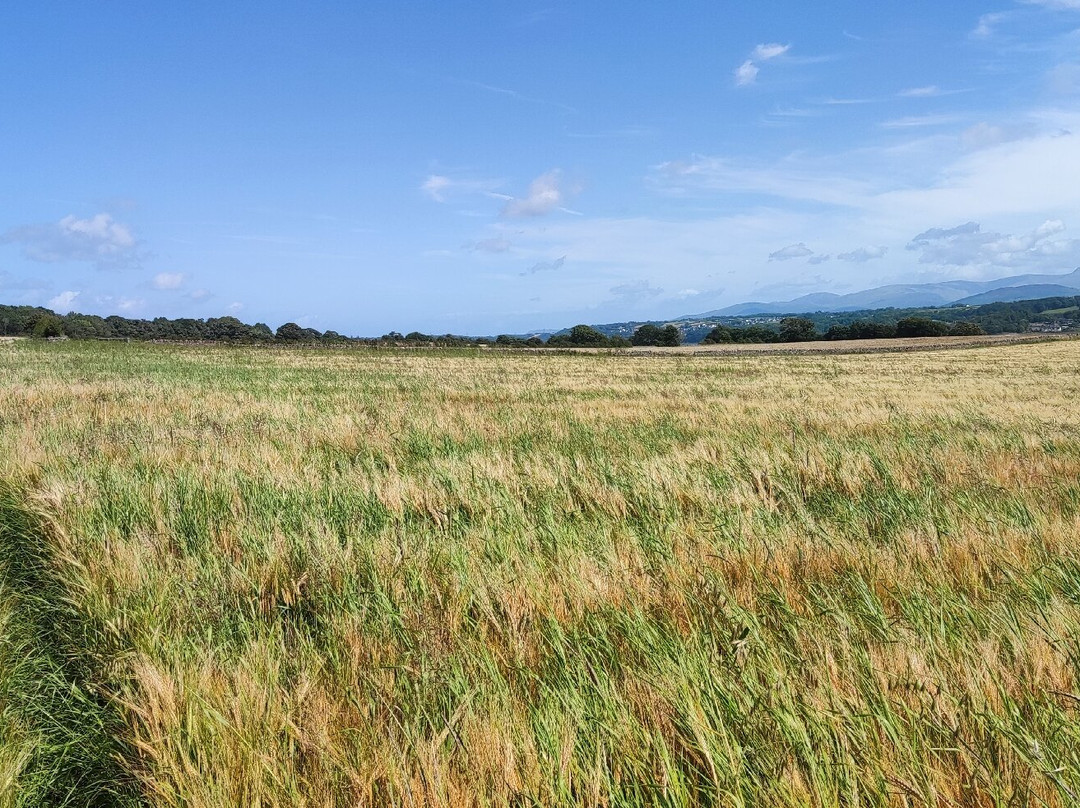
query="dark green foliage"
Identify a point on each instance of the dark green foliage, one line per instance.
(868, 329)
(291, 332)
(797, 329)
(921, 327)
(750, 334)
(668, 337)
(19, 321)
(585, 336)
(48, 326)
(507, 341)
(965, 330)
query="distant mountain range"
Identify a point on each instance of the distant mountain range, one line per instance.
(914, 295)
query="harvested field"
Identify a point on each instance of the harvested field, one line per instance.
(849, 346)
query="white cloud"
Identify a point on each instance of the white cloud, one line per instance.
(863, 254)
(100, 240)
(168, 280)
(987, 23)
(968, 245)
(1060, 5)
(768, 51)
(746, 73)
(435, 186)
(1033, 175)
(62, 302)
(443, 188)
(921, 92)
(790, 252)
(114, 304)
(984, 135)
(789, 180)
(198, 295)
(913, 121)
(545, 195)
(234, 307)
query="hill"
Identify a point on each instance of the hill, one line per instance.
(904, 296)
(1011, 294)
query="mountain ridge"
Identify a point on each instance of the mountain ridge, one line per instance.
(905, 295)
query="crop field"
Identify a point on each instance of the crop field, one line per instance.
(271, 577)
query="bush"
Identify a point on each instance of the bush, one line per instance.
(48, 325)
(668, 337)
(921, 327)
(797, 329)
(966, 330)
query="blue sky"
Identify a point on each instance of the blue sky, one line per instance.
(481, 167)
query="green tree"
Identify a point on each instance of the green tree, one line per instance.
(670, 336)
(647, 334)
(47, 326)
(587, 336)
(920, 327)
(797, 329)
(963, 329)
(289, 332)
(719, 335)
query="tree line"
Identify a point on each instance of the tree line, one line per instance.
(991, 318)
(803, 329)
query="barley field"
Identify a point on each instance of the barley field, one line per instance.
(265, 577)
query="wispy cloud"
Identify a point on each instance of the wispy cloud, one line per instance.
(763, 53)
(747, 73)
(435, 186)
(914, 121)
(443, 188)
(120, 303)
(546, 266)
(792, 251)
(861, 255)
(509, 93)
(844, 101)
(703, 174)
(547, 192)
(634, 292)
(987, 24)
(928, 91)
(490, 245)
(1058, 5)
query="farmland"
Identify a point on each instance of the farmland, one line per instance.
(274, 577)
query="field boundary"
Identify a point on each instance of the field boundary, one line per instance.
(825, 348)
(50, 681)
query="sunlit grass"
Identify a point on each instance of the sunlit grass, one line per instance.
(422, 578)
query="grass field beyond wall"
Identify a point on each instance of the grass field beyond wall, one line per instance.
(238, 577)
